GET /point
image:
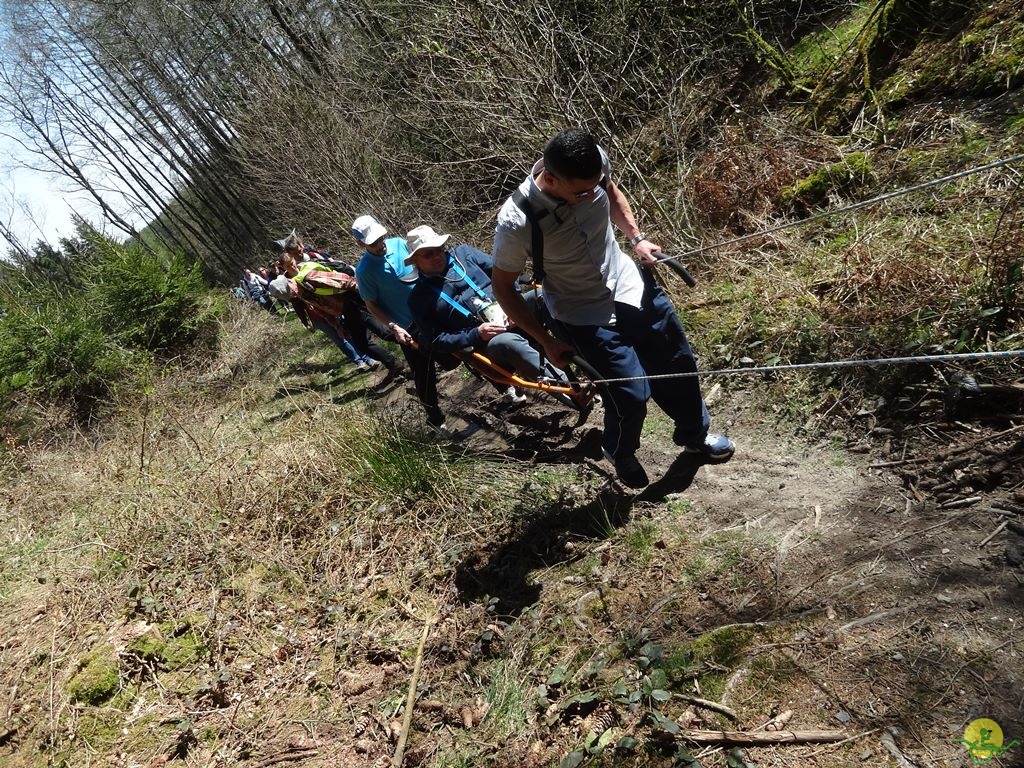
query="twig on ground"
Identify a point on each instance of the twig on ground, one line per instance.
(890, 745)
(287, 757)
(763, 738)
(844, 741)
(410, 701)
(871, 619)
(714, 706)
(957, 503)
(999, 529)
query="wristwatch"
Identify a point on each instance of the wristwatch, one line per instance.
(637, 239)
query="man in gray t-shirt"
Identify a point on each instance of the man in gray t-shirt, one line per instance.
(606, 307)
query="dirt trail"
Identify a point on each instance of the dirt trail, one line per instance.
(895, 623)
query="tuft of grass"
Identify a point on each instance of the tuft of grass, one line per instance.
(507, 692)
(640, 537)
(395, 462)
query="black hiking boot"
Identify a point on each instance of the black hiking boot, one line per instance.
(630, 472)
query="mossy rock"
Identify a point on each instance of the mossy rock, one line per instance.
(96, 679)
(846, 176)
(707, 657)
(172, 644)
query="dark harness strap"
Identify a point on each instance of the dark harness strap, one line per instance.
(536, 235)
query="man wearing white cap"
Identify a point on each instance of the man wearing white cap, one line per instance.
(385, 282)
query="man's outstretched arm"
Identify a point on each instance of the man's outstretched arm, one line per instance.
(622, 217)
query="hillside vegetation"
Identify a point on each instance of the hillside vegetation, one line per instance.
(222, 547)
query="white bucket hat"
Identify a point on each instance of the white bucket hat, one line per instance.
(422, 237)
(368, 230)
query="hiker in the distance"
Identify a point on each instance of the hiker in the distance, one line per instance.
(608, 308)
(385, 282)
(336, 295)
(454, 308)
(319, 315)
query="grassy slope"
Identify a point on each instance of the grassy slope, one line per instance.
(256, 549)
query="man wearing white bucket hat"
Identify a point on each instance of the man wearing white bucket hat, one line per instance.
(385, 282)
(454, 307)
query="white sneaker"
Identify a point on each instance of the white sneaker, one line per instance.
(362, 367)
(513, 395)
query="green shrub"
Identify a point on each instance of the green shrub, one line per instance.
(73, 324)
(148, 301)
(57, 350)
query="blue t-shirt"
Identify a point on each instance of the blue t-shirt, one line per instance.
(387, 280)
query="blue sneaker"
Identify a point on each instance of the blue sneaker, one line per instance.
(718, 448)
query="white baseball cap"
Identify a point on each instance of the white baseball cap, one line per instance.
(368, 230)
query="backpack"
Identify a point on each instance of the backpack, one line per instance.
(325, 289)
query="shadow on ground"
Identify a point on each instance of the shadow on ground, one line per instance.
(504, 573)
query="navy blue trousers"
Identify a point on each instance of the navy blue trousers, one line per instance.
(644, 341)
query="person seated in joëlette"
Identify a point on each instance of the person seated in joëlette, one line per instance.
(454, 307)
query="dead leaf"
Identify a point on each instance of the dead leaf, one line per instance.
(480, 710)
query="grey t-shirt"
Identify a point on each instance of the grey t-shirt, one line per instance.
(585, 270)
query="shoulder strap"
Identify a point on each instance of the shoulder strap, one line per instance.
(536, 235)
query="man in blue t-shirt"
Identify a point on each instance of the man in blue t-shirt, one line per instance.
(385, 282)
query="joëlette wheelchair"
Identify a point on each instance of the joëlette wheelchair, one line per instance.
(578, 392)
(581, 391)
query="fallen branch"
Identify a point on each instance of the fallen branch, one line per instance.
(763, 738)
(946, 454)
(410, 701)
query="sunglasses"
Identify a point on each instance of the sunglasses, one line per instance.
(581, 194)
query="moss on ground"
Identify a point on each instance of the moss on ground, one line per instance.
(96, 679)
(844, 177)
(172, 644)
(709, 658)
